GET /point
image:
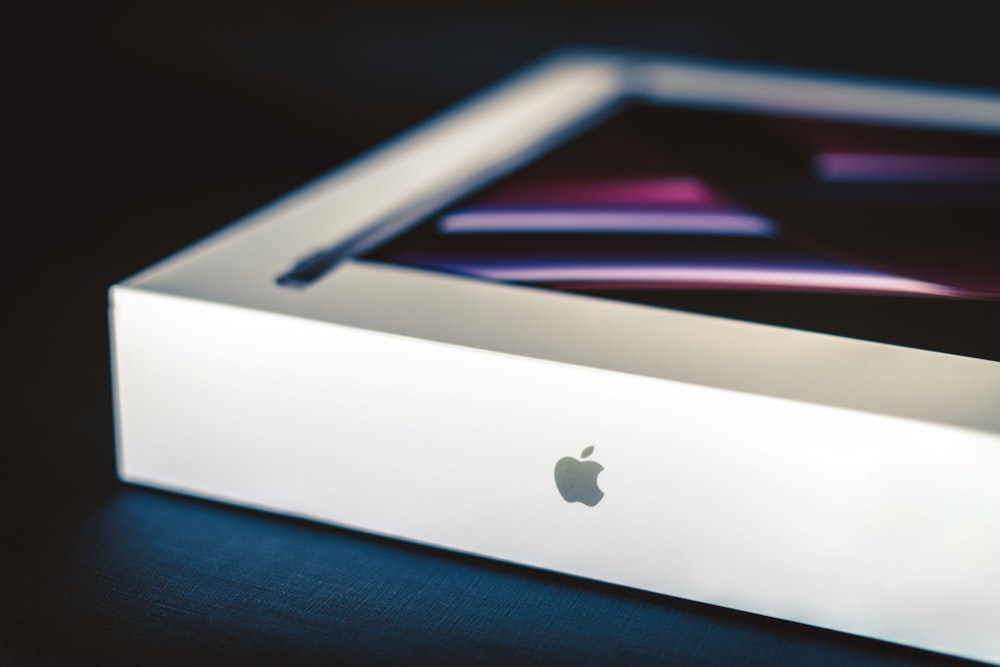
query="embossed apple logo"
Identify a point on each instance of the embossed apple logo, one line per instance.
(577, 480)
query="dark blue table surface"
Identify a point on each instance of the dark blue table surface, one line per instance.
(144, 577)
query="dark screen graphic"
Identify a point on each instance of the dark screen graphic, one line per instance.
(875, 232)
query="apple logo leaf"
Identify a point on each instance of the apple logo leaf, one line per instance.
(587, 452)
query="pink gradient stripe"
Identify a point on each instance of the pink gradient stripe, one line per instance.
(636, 222)
(834, 167)
(680, 191)
(711, 276)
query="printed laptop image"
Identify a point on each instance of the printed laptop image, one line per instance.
(870, 231)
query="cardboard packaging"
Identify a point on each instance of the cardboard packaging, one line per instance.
(832, 481)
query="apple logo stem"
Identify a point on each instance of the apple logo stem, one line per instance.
(576, 480)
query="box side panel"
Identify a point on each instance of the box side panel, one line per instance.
(873, 525)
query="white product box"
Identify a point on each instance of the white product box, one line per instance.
(828, 480)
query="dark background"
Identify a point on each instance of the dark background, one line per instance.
(134, 128)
